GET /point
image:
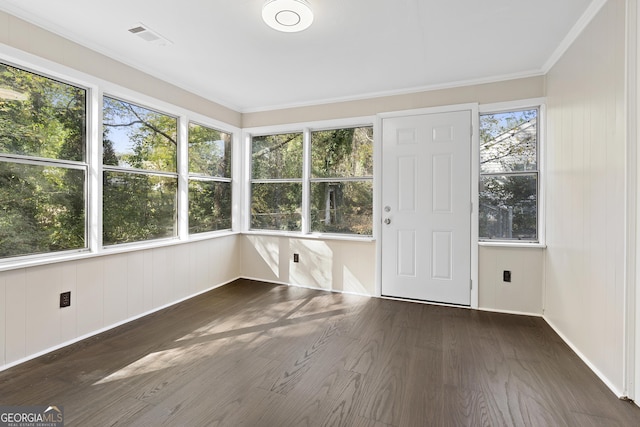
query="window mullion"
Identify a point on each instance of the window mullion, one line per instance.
(306, 186)
(183, 178)
(94, 187)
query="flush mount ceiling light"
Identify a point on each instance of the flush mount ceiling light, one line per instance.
(288, 16)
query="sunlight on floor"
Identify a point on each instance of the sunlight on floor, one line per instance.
(247, 319)
(248, 327)
(158, 361)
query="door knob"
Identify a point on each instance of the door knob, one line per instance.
(387, 221)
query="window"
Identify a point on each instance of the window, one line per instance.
(49, 155)
(276, 182)
(209, 179)
(140, 180)
(336, 178)
(509, 175)
(43, 170)
(342, 181)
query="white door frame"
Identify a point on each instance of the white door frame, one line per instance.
(632, 259)
(377, 184)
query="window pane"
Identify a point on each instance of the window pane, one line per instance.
(508, 207)
(508, 141)
(276, 206)
(209, 151)
(136, 137)
(342, 207)
(42, 209)
(209, 206)
(342, 153)
(276, 156)
(41, 117)
(138, 207)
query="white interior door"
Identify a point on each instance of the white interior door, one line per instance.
(426, 200)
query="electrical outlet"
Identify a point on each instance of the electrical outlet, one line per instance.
(296, 258)
(65, 299)
(506, 276)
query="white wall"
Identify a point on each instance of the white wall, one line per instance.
(105, 291)
(585, 187)
(333, 265)
(523, 295)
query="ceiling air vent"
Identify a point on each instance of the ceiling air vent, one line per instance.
(147, 34)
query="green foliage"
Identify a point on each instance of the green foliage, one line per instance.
(276, 156)
(342, 207)
(339, 206)
(139, 138)
(276, 206)
(209, 199)
(41, 117)
(342, 153)
(43, 207)
(209, 151)
(209, 206)
(138, 207)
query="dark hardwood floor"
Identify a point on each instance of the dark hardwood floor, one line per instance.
(256, 354)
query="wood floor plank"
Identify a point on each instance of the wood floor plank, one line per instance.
(342, 411)
(126, 408)
(423, 402)
(258, 354)
(465, 407)
(385, 389)
(460, 367)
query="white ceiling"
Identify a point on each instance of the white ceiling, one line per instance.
(355, 48)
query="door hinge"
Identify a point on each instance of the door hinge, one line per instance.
(471, 284)
(471, 207)
(471, 130)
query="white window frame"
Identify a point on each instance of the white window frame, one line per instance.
(149, 172)
(305, 128)
(207, 178)
(96, 87)
(84, 165)
(303, 178)
(310, 180)
(505, 107)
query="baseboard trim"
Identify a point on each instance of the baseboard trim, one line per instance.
(586, 360)
(519, 313)
(277, 282)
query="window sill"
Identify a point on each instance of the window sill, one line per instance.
(44, 259)
(514, 244)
